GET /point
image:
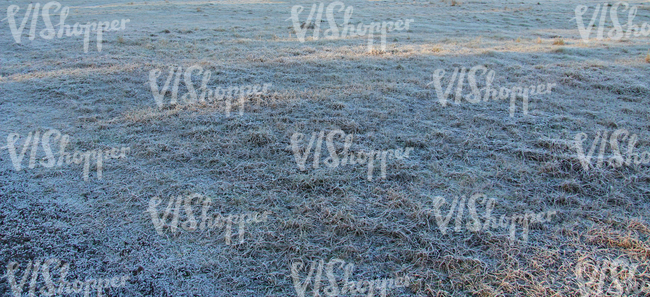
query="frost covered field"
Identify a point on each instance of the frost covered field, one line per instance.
(232, 148)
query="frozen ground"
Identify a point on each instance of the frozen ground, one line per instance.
(245, 163)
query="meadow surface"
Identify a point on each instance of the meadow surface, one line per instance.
(387, 227)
